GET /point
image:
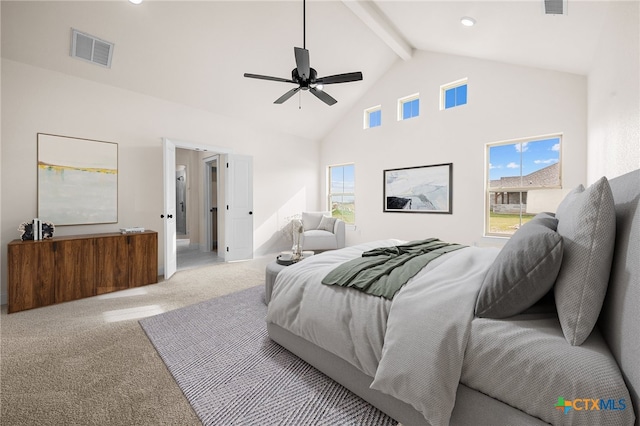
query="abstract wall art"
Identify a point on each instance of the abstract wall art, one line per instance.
(424, 189)
(77, 180)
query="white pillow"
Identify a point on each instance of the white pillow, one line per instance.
(587, 224)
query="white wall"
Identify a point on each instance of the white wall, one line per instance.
(38, 100)
(614, 95)
(504, 102)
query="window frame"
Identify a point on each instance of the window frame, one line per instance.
(405, 100)
(367, 117)
(331, 194)
(453, 85)
(519, 189)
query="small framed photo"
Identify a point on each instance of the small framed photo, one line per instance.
(423, 189)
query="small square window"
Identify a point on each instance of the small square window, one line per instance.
(409, 107)
(373, 117)
(453, 94)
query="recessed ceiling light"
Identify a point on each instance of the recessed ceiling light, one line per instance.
(467, 21)
(135, 1)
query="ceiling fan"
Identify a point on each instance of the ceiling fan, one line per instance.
(306, 77)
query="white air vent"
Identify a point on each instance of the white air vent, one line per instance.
(90, 48)
(555, 7)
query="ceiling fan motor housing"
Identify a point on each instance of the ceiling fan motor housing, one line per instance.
(304, 83)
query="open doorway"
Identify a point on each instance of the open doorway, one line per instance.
(234, 224)
(192, 193)
(181, 201)
(212, 177)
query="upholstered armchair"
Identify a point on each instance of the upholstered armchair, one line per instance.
(322, 232)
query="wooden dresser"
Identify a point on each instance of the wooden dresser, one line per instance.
(67, 268)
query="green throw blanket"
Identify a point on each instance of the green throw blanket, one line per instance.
(383, 271)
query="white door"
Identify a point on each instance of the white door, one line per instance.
(239, 207)
(169, 214)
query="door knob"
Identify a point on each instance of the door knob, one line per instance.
(169, 216)
(161, 216)
(250, 212)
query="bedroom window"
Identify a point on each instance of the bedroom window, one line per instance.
(453, 94)
(409, 107)
(373, 117)
(524, 177)
(341, 197)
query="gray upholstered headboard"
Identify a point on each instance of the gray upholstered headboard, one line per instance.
(620, 317)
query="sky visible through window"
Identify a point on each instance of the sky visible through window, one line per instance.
(343, 181)
(375, 118)
(504, 160)
(455, 96)
(411, 109)
(342, 192)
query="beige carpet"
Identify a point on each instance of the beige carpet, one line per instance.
(88, 362)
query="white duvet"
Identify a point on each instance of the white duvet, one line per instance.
(413, 346)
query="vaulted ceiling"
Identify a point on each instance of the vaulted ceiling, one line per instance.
(195, 53)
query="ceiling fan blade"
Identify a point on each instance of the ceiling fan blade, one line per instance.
(302, 62)
(323, 96)
(286, 96)
(340, 78)
(266, 77)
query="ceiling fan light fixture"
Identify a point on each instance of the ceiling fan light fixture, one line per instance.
(135, 1)
(319, 86)
(467, 21)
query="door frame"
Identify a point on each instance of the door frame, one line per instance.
(194, 146)
(206, 163)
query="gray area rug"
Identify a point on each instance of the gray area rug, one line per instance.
(220, 355)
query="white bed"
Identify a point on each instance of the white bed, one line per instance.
(487, 370)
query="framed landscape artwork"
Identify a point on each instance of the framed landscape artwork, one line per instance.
(77, 180)
(424, 189)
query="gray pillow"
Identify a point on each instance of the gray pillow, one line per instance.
(547, 219)
(327, 224)
(524, 270)
(587, 224)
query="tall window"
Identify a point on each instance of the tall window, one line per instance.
(524, 178)
(453, 94)
(373, 117)
(409, 107)
(342, 195)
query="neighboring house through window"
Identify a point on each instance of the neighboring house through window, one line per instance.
(409, 107)
(341, 193)
(524, 178)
